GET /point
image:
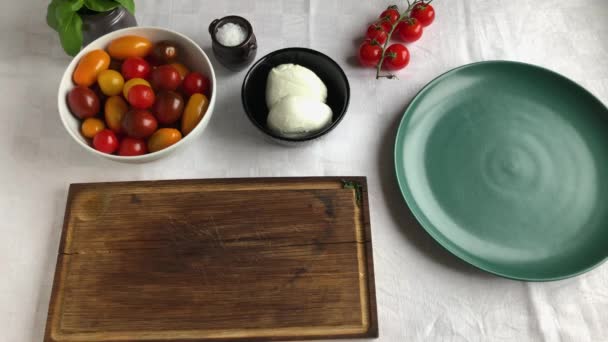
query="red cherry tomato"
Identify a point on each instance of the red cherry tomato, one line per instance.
(135, 67)
(105, 141)
(391, 13)
(194, 83)
(132, 147)
(396, 57)
(386, 25)
(370, 53)
(376, 31)
(141, 96)
(165, 77)
(425, 13)
(139, 124)
(409, 30)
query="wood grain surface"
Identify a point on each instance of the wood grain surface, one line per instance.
(226, 259)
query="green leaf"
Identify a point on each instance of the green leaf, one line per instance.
(65, 11)
(128, 4)
(51, 16)
(101, 5)
(70, 34)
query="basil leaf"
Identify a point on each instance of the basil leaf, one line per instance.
(65, 10)
(70, 34)
(51, 14)
(100, 5)
(128, 4)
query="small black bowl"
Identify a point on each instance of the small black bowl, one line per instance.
(253, 93)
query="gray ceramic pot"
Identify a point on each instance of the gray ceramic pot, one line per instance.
(96, 24)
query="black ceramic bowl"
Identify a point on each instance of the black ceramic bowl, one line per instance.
(253, 93)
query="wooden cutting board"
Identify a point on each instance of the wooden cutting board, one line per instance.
(226, 259)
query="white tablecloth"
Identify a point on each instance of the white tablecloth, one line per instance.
(423, 292)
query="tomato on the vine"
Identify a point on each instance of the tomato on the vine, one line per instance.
(377, 32)
(409, 30)
(396, 57)
(425, 13)
(370, 53)
(391, 13)
(386, 25)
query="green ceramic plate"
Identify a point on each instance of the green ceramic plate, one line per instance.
(506, 165)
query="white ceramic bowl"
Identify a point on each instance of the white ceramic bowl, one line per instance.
(191, 55)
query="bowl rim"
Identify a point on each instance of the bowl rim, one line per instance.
(148, 156)
(268, 132)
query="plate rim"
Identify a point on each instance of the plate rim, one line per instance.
(412, 203)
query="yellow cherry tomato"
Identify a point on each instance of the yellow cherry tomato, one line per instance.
(110, 82)
(130, 83)
(89, 66)
(114, 111)
(92, 126)
(194, 112)
(163, 138)
(181, 69)
(129, 46)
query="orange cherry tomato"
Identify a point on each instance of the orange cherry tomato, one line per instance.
(194, 112)
(114, 111)
(129, 46)
(163, 138)
(92, 126)
(133, 82)
(89, 66)
(181, 69)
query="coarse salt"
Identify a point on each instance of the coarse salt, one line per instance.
(231, 34)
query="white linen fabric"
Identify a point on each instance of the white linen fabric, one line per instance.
(423, 292)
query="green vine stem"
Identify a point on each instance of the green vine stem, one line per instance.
(404, 15)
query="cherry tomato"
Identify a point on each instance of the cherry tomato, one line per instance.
(409, 30)
(396, 57)
(139, 123)
(83, 102)
(89, 66)
(115, 109)
(165, 77)
(370, 53)
(375, 31)
(194, 112)
(425, 13)
(129, 46)
(386, 25)
(164, 52)
(133, 82)
(163, 138)
(110, 82)
(141, 96)
(195, 82)
(132, 147)
(183, 71)
(91, 126)
(105, 141)
(391, 13)
(135, 67)
(168, 107)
